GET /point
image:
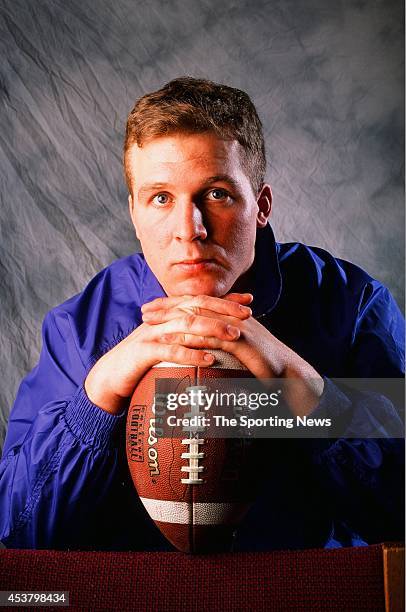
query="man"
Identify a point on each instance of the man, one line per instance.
(212, 278)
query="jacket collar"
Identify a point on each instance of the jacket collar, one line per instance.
(265, 273)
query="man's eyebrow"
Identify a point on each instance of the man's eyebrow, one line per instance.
(222, 178)
(148, 187)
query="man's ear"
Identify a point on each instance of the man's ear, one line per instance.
(132, 215)
(264, 202)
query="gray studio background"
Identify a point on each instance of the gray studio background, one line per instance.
(326, 78)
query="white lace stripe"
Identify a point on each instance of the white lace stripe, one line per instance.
(192, 455)
(203, 513)
(187, 468)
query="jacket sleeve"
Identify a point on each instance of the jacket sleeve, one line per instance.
(363, 470)
(60, 455)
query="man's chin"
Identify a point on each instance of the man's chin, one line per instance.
(199, 286)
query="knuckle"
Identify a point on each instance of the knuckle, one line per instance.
(161, 303)
(197, 341)
(197, 300)
(189, 319)
(163, 314)
(221, 327)
(197, 311)
(193, 309)
(182, 353)
(185, 355)
(174, 352)
(203, 301)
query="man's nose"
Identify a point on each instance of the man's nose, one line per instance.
(189, 222)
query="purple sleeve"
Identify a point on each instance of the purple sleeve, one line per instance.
(364, 477)
(59, 455)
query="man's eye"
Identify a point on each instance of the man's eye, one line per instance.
(218, 194)
(161, 199)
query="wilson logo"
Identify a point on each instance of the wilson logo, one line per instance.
(152, 451)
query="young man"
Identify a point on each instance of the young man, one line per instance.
(211, 277)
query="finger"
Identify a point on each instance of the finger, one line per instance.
(200, 305)
(161, 316)
(195, 341)
(164, 302)
(200, 326)
(182, 355)
(242, 298)
(154, 317)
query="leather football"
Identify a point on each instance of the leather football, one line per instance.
(195, 488)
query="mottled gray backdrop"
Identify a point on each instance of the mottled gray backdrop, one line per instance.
(326, 78)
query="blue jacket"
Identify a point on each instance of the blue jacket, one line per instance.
(64, 481)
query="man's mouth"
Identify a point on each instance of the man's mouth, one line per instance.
(195, 265)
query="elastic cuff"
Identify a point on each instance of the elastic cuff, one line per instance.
(335, 405)
(93, 425)
(333, 402)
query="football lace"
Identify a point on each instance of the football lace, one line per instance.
(194, 454)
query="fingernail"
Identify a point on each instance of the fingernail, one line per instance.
(246, 309)
(208, 357)
(232, 331)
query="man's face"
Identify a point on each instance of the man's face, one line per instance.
(195, 212)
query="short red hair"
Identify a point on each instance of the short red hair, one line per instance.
(192, 105)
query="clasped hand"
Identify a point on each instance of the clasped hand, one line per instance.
(183, 329)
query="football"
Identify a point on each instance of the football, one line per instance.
(195, 488)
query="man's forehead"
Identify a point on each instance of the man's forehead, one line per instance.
(200, 158)
(203, 148)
